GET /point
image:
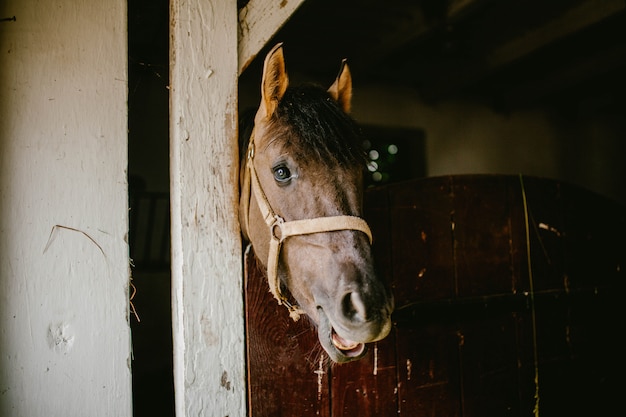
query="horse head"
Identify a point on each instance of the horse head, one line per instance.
(301, 207)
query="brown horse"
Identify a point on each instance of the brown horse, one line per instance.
(301, 203)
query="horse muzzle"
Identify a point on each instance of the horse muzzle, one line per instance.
(345, 330)
(345, 339)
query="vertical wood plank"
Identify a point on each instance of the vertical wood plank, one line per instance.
(589, 234)
(489, 354)
(428, 365)
(482, 233)
(285, 375)
(579, 314)
(489, 365)
(423, 277)
(64, 273)
(367, 387)
(423, 264)
(546, 225)
(208, 329)
(376, 213)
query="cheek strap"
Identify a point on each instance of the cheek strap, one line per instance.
(281, 230)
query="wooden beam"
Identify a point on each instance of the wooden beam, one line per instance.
(417, 24)
(207, 301)
(571, 21)
(566, 77)
(259, 20)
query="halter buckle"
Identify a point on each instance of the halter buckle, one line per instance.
(277, 224)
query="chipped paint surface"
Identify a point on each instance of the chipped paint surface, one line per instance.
(61, 338)
(320, 377)
(64, 273)
(208, 331)
(375, 370)
(409, 368)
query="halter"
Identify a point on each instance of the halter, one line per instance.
(281, 229)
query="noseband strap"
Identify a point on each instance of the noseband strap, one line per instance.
(280, 229)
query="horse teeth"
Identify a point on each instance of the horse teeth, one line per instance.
(344, 347)
(343, 344)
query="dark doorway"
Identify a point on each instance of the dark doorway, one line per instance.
(149, 238)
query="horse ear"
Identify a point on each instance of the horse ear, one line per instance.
(274, 81)
(341, 90)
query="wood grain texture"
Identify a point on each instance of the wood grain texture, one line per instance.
(285, 375)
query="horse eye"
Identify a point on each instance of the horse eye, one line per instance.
(282, 173)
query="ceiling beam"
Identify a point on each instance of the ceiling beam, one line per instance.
(259, 20)
(571, 21)
(417, 23)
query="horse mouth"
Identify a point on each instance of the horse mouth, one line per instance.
(347, 347)
(340, 349)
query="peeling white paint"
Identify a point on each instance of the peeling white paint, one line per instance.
(375, 371)
(320, 377)
(409, 368)
(208, 329)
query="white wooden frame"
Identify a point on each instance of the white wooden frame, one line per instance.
(64, 259)
(206, 58)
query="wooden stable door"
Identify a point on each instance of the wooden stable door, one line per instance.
(507, 302)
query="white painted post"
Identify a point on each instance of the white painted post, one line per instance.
(208, 316)
(64, 333)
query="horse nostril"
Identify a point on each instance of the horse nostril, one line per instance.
(353, 307)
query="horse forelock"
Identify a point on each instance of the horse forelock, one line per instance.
(311, 124)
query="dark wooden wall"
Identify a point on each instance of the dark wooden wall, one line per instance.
(482, 327)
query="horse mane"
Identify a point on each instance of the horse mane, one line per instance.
(246, 125)
(311, 124)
